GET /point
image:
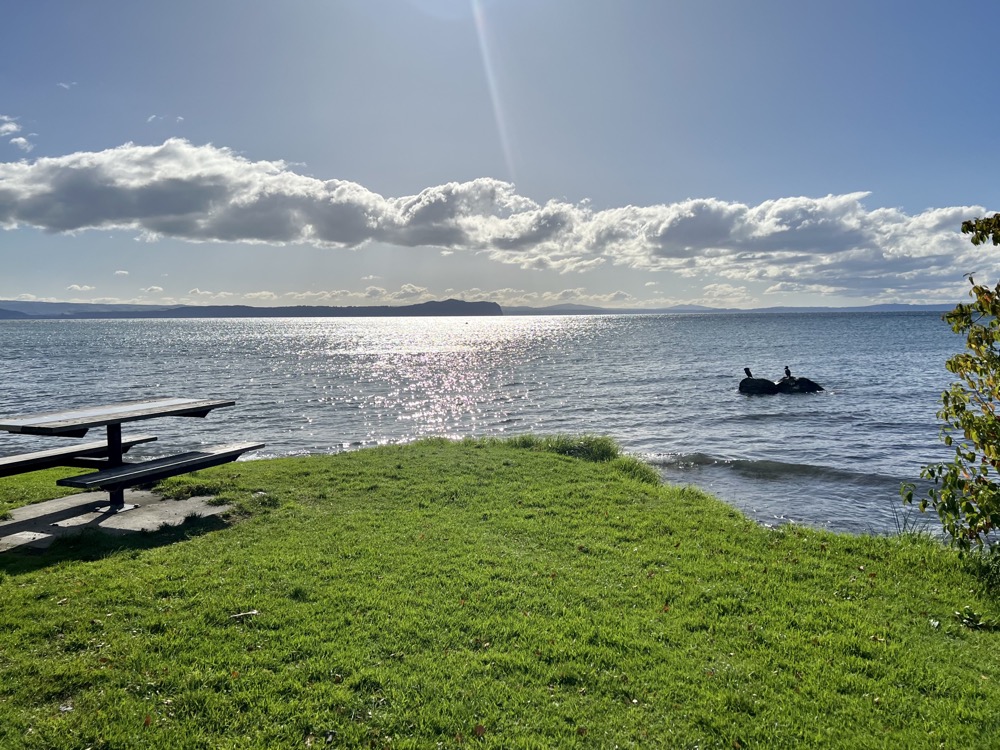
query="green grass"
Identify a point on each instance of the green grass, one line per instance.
(489, 594)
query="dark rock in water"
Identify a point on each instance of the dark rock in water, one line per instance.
(797, 385)
(761, 386)
(788, 384)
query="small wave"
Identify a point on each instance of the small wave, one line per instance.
(764, 469)
(787, 416)
(682, 461)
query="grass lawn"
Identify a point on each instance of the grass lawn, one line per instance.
(488, 594)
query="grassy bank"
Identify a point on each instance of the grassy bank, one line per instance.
(486, 594)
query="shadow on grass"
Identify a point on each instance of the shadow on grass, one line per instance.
(95, 544)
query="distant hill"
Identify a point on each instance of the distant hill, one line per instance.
(50, 309)
(588, 310)
(84, 311)
(19, 310)
(890, 307)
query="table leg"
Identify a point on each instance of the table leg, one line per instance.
(115, 445)
(115, 459)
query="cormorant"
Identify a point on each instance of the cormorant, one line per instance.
(788, 373)
(747, 371)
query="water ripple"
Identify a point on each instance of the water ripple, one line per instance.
(663, 386)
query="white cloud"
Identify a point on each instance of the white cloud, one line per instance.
(724, 295)
(160, 118)
(577, 296)
(411, 292)
(80, 288)
(66, 86)
(121, 273)
(203, 295)
(210, 194)
(257, 296)
(8, 126)
(313, 298)
(406, 294)
(152, 289)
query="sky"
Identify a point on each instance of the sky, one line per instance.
(620, 153)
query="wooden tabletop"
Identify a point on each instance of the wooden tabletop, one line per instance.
(76, 422)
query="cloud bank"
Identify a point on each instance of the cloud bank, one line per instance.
(831, 244)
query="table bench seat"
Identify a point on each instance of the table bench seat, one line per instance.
(81, 455)
(129, 475)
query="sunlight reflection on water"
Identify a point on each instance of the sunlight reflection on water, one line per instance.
(662, 386)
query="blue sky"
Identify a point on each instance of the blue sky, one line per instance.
(624, 153)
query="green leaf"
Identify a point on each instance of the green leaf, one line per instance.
(964, 495)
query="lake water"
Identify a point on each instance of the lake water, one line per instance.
(664, 386)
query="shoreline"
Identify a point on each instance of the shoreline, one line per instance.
(510, 591)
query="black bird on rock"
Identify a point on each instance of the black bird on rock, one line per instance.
(788, 384)
(750, 384)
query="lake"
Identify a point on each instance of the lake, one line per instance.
(663, 386)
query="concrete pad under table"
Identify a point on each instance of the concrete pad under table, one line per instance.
(37, 526)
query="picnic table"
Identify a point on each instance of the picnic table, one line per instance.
(113, 474)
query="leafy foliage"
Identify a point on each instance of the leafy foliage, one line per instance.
(965, 494)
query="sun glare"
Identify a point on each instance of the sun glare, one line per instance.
(491, 81)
